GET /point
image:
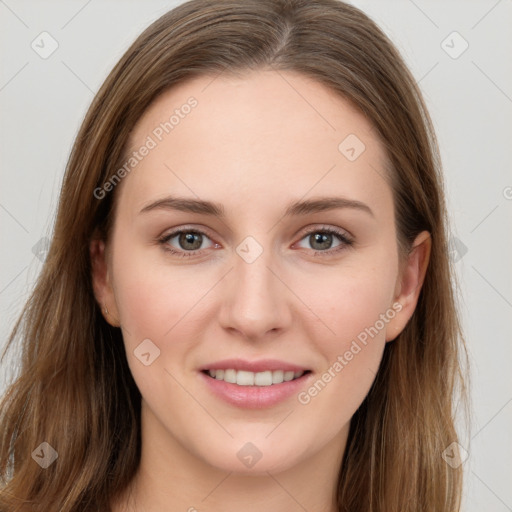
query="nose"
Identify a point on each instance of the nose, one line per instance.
(255, 300)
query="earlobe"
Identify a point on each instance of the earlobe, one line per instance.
(410, 282)
(101, 283)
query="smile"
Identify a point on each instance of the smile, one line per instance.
(247, 378)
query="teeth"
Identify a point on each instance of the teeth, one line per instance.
(277, 377)
(288, 376)
(229, 376)
(244, 378)
(263, 378)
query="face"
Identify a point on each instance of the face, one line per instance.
(254, 241)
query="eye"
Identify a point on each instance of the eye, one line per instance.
(321, 240)
(188, 242)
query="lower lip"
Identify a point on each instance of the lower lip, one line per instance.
(255, 397)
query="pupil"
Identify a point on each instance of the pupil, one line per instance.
(190, 238)
(322, 238)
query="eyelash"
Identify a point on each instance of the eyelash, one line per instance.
(342, 236)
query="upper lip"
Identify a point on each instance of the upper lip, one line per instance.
(262, 365)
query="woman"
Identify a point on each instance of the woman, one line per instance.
(247, 300)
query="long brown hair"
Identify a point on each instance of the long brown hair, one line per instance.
(74, 389)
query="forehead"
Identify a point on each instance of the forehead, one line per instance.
(266, 135)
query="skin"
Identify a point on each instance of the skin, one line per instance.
(253, 144)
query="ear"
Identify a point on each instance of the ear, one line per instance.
(409, 283)
(101, 281)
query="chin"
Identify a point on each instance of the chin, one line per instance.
(251, 458)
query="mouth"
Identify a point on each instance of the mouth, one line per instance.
(255, 379)
(254, 384)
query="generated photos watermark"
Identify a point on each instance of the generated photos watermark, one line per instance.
(151, 142)
(362, 339)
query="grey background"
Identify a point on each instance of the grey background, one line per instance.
(470, 99)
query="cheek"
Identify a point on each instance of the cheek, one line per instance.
(358, 311)
(157, 300)
(153, 297)
(160, 304)
(350, 300)
(355, 305)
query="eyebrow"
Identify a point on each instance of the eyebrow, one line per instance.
(296, 208)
